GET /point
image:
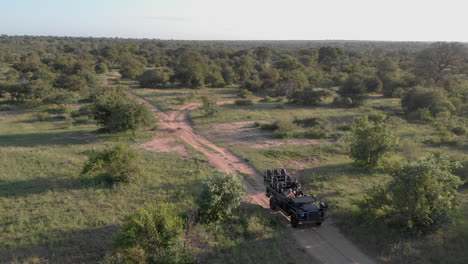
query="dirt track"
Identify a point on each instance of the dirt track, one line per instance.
(325, 243)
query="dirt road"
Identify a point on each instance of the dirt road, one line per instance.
(325, 243)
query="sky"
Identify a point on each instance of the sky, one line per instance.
(397, 20)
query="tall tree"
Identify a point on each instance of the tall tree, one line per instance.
(432, 63)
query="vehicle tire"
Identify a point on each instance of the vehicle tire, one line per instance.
(273, 203)
(294, 221)
(319, 224)
(267, 194)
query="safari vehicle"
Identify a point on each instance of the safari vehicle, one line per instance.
(286, 195)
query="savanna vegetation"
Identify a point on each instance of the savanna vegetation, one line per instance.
(376, 129)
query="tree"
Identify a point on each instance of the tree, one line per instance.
(420, 196)
(433, 62)
(155, 78)
(152, 235)
(101, 68)
(329, 58)
(117, 113)
(131, 66)
(308, 96)
(263, 54)
(191, 69)
(371, 139)
(353, 89)
(433, 99)
(221, 193)
(119, 164)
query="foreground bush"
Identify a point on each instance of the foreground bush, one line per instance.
(119, 164)
(152, 235)
(371, 139)
(221, 193)
(419, 198)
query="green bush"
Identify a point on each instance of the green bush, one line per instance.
(419, 198)
(266, 99)
(209, 106)
(182, 99)
(421, 114)
(119, 164)
(117, 113)
(61, 109)
(155, 78)
(221, 193)
(315, 134)
(270, 126)
(42, 116)
(244, 94)
(308, 122)
(371, 139)
(242, 101)
(353, 92)
(152, 235)
(286, 129)
(101, 68)
(434, 99)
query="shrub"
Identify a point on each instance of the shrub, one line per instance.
(241, 101)
(101, 68)
(421, 114)
(309, 96)
(42, 116)
(270, 126)
(354, 90)
(420, 196)
(117, 113)
(244, 94)
(434, 99)
(152, 235)
(315, 134)
(221, 193)
(209, 106)
(119, 164)
(155, 78)
(371, 139)
(62, 97)
(182, 99)
(286, 129)
(308, 122)
(266, 99)
(58, 110)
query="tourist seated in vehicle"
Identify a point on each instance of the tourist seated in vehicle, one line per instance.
(290, 194)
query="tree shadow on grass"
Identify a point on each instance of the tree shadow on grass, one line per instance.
(80, 246)
(47, 139)
(41, 185)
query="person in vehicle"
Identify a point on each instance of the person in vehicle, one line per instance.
(290, 194)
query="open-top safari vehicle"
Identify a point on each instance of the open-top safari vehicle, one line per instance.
(286, 195)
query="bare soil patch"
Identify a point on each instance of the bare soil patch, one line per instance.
(245, 133)
(166, 144)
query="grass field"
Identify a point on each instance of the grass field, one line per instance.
(333, 177)
(51, 214)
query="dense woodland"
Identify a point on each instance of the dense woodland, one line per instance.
(429, 80)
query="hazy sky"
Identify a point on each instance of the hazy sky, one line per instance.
(239, 19)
